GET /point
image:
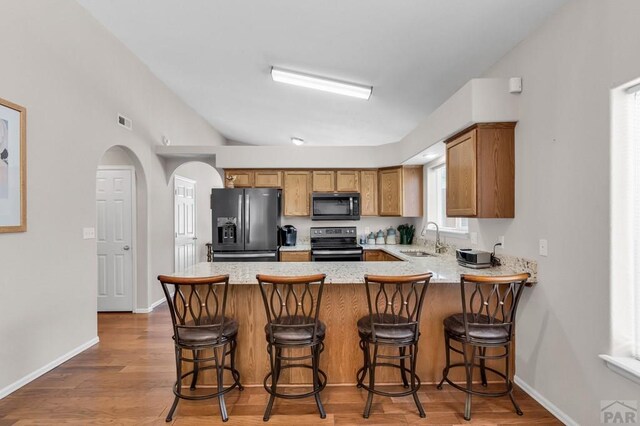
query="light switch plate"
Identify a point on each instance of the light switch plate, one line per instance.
(543, 248)
(88, 233)
(473, 236)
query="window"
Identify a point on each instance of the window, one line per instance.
(437, 200)
(624, 356)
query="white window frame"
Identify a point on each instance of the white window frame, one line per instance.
(434, 195)
(624, 354)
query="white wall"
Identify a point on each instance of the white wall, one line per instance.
(568, 68)
(206, 177)
(74, 77)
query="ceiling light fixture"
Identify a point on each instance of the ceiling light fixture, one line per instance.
(321, 83)
(297, 141)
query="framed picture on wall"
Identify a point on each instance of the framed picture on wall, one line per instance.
(13, 167)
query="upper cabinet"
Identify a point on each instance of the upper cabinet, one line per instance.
(369, 193)
(268, 179)
(297, 193)
(324, 180)
(481, 172)
(243, 178)
(401, 191)
(347, 181)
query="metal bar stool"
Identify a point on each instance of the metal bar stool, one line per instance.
(292, 305)
(197, 307)
(395, 306)
(487, 321)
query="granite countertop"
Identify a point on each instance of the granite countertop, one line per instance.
(444, 267)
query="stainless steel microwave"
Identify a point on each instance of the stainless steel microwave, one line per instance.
(335, 206)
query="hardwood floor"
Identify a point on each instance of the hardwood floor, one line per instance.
(126, 380)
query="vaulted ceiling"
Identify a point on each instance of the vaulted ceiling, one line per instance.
(217, 55)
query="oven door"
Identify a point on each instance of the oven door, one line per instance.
(348, 255)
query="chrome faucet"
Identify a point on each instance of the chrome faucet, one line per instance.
(439, 246)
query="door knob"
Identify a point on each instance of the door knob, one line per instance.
(125, 248)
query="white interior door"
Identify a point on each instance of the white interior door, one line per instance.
(114, 239)
(184, 191)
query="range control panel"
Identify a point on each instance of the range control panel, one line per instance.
(333, 232)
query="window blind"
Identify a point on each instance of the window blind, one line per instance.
(634, 192)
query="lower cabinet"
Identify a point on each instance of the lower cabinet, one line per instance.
(379, 256)
(295, 256)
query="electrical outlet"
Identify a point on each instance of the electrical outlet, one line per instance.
(501, 241)
(88, 233)
(544, 251)
(473, 236)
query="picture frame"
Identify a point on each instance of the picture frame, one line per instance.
(13, 167)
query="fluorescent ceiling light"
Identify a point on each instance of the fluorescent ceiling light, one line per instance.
(321, 83)
(297, 141)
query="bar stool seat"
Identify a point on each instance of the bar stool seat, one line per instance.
(454, 324)
(297, 333)
(203, 335)
(393, 332)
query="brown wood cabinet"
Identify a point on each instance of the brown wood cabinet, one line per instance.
(268, 179)
(297, 193)
(481, 172)
(369, 193)
(347, 181)
(401, 191)
(324, 181)
(295, 256)
(379, 256)
(244, 178)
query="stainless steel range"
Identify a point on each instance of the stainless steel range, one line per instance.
(335, 244)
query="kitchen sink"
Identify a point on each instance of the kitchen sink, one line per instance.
(417, 253)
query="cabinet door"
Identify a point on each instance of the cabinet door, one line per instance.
(347, 181)
(461, 175)
(268, 179)
(244, 178)
(323, 181)
(373, 256)
(297, 192)
(295, 256)
(390, 191)
(369, 193)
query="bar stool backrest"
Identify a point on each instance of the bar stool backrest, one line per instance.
(396, 301)
(493, 301)
(196, 302)
(291, 302)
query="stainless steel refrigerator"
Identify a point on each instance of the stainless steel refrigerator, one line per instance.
(245, 224)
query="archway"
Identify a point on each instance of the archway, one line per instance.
(122, 158)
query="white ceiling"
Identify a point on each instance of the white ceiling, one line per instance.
(217, 54)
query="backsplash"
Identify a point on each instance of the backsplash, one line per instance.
(374, 224)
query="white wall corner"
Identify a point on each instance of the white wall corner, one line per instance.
(550, 406)
(46, 368)
(150, 308)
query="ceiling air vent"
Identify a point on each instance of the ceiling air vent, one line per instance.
(124, 122)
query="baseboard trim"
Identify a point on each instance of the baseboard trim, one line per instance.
(45, 369)
(150, 308)
(550, 406)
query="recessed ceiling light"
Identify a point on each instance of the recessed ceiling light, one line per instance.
(297, 141)
(321, 83)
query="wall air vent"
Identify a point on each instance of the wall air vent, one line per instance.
(125, 122)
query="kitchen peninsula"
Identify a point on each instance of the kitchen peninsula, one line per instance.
(343, 303)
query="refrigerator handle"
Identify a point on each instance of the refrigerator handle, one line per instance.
(248, 219)
(241, 218)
